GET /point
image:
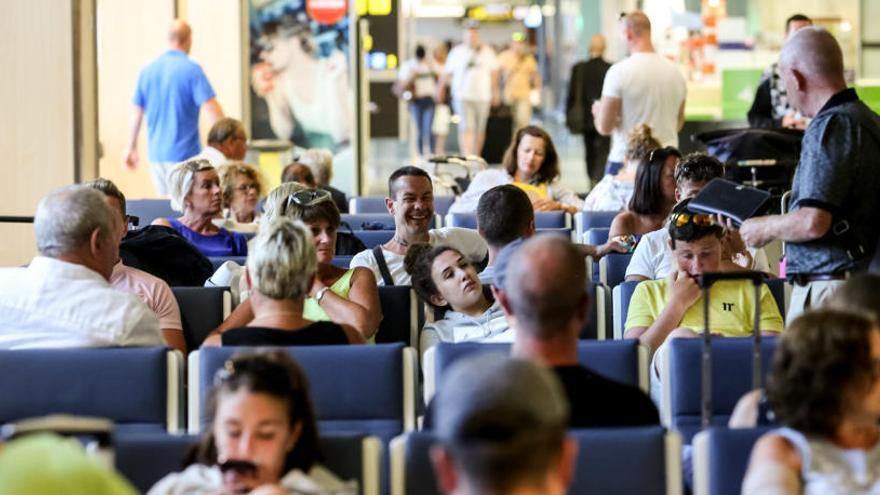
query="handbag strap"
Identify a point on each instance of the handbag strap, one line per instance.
(383, 266)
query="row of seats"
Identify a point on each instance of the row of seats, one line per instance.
(369, 212)
(370, 389)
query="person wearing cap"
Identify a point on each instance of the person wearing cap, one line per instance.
(170, 92)
(472, 71)
(542, 286)
(520, 76)
(501, 429)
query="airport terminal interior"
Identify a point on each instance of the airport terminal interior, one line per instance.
(664, 209)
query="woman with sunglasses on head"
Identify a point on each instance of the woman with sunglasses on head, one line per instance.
(824, 388)
(613, 192)
(444, 278)
(242, 187)
(652, 200)
(263, 436)
(195, 191)
(347, 297)
(281, 270)
(672, 307)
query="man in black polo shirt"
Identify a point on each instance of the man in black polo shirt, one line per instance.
(832, 227)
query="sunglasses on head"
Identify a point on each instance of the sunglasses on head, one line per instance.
(197, 165)
(698, 219)
(307, 197)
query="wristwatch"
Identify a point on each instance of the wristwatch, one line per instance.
(320, 294)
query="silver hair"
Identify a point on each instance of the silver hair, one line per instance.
(180, 181)
(282, 259)
(276, 201)
(66, 218)
(320, 162)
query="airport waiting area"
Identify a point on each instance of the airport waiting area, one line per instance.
(414, 248)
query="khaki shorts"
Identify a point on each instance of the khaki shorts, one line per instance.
(473, 115)
(804, 297)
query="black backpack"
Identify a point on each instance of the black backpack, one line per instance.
(347, 244)
(163, 252)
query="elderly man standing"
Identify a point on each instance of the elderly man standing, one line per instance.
(170, 91)
(832, 227)
(227, 142)
(63, 298)
(643, 88)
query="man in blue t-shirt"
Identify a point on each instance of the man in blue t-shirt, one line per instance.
(832, 227)
(170, 91)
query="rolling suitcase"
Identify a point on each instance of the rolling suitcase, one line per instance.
(706, 281)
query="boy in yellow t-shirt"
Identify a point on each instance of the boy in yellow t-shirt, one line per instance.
(673, 307)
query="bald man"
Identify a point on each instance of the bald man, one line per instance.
(645, 87)
(585, 87)
(170, 91)
(544, 297)
(832, 228)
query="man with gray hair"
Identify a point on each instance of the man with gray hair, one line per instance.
(831, 229)
(227, 143)
(501, 429)
(63, 298)
(544, 294)
(320, 162)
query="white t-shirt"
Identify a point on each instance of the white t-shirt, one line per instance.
(425, 80)
(609, 194)
(651, 91)
(467, 241)
(654, 260)
(471, 72)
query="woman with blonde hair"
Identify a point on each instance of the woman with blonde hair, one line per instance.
(613, 192)
(242, 187)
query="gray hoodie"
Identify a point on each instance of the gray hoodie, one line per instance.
(491, 326)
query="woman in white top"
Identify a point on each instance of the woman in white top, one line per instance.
(242, 187)
(613, 192)
(530, 163)
(263, 435)
(444, 278)
(417, 83)
(824, 387)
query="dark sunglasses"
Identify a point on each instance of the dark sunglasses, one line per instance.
(307, 197)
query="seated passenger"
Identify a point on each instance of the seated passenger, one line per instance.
(299, 173)
(64, 298)
(652, 200)
(652, 258)
(530, 163)
(242, 188)
(444, 278)
(320, 161)
(195, 191)
(411, 202)
(263, 436)
(227, 143)
(280, 270)
(672, 307)
(614, 192)
(823, 387)
(347, 297)
(153, 291)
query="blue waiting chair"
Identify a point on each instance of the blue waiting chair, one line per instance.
(202, 309)
(363, 388)
(366, 204)
(586, 220)
(612, 268)
(543, 220)
(721, 457)
(148, 210)
(138, 388)
(605, 463)
(372, 221)
(622, 360)
(681, 380)
(144, 459)
(216, 261)
(621, 296)
(342, 261)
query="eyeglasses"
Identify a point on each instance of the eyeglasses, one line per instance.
(666, 151)
(247, 187)
(308, 197)
(698, 219)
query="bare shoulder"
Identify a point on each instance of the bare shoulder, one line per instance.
(773, 447)
(161, 221)
(623, 223)
(363, 275)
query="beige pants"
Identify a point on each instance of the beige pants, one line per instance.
(804, 297)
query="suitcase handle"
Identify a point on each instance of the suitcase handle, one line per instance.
(707, 279)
